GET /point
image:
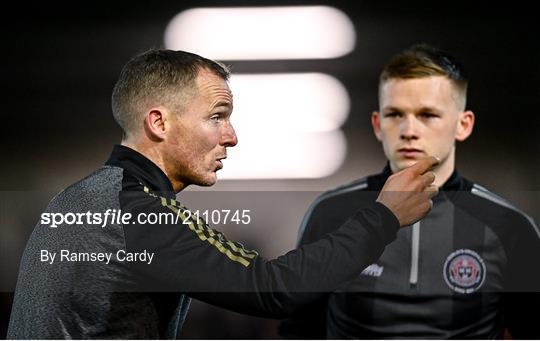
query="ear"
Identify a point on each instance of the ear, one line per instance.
(376, 123)
(465, 125)
(155, 123)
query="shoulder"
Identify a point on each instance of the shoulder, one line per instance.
(332, 207)
(356, 189)
(495, 211)
(101, 186)
(344, 190)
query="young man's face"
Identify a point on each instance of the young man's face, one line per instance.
(200, 135)
(419, 117)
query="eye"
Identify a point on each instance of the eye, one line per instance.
(428, 115)
(392, 114)
(215, 117)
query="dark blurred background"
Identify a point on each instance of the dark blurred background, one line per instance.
(61, 62)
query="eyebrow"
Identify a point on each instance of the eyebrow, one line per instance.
(222, 107)
(430, 109)
(422, 109)
(222, 103)
(390, 109)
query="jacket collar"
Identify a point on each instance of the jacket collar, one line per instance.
(138, 165)
(454, 183)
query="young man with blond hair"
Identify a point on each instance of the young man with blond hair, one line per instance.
(464, 271)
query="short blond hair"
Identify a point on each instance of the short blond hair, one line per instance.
(157, 76)
(419, 61)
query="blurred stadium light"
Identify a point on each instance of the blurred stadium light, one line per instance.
(288, 124)
(253, 33)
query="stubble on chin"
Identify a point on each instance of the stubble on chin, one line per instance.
(209, 180)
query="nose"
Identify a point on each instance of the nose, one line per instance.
(229, 138)
(408, 129)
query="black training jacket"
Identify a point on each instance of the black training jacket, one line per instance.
(86, 299)
(469, 269)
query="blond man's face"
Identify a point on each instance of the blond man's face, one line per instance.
(418, 117)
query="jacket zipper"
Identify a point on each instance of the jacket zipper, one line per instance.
(415, 249)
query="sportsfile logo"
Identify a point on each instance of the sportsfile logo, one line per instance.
(102, 219)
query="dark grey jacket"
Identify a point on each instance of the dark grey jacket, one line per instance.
(467, 270)
(115, 298)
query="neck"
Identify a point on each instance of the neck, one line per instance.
(153, 154)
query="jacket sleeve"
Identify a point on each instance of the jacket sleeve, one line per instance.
(522, 290)
(309, 321)
(197, 260)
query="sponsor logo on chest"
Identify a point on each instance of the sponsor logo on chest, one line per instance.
(373, 270)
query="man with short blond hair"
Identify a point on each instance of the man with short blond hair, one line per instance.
(129, 279)
(464, 271)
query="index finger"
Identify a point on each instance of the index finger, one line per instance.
(424, 165)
